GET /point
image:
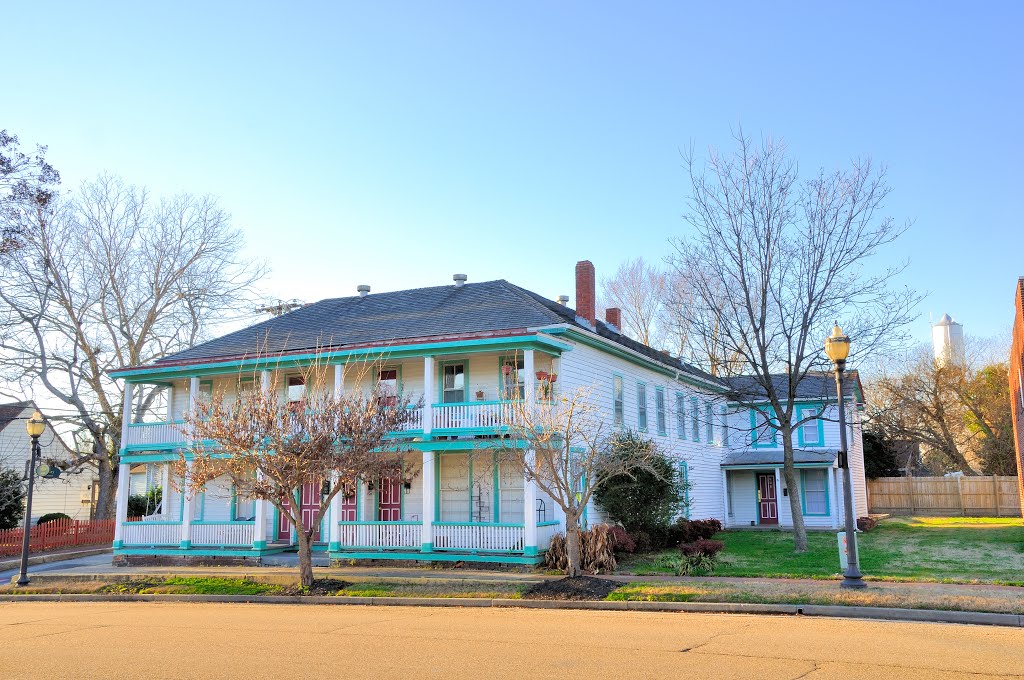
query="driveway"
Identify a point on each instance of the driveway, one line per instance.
(177, 640)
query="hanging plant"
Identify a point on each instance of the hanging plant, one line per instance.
(542, 375)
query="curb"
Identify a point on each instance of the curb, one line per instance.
(880, 613)
(53, 557)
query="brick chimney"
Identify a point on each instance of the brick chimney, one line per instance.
(613, 316)
(586, 293)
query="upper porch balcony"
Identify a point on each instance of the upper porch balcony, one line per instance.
(455, 395)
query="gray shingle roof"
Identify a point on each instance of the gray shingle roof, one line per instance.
(813, 386)
(10, 412)
(774, 457)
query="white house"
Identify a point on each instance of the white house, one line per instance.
(464, 349)
(72, 494)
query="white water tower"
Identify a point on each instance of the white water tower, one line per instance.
(948, 340)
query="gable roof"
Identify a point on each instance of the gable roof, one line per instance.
(814, 386)
(11, 412)
(382, 318)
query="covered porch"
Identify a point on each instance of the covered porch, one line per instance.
(756, 494)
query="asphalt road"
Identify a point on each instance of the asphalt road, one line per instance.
(171, 640)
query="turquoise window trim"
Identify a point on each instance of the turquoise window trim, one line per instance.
(465, 380)
(803, 497)
(774, 443)
(397, 368)
(681, 416)
(695, 419)
(660, 418)
(618, 400)
(803, 412)
(641, 406)
(684, 476)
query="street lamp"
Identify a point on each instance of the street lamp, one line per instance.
(837, 347)
(35, 426)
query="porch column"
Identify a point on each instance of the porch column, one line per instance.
(339, 380)
(529, 504)
(259, 530)
(170, 402)
(121, 515)
(335, 514)
(778, 496)
(428, 401)
(529, 380)
(126, 412)
(165, 487)
(429, 491)
(265, 377)
(186, 509)
(725, 499)
(833, 510)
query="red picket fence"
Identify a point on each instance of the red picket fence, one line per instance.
(61, 533)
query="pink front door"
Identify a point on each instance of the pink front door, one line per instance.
(307, 511)
(348, 505)
(767, 500)
(389, 504)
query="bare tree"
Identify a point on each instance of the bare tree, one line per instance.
(274, 449)
(28, 184)
(109, 279)
(639, 290)
(562, 448)
(773, 261)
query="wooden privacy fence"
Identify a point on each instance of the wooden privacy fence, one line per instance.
(61, 533)
(945, 496)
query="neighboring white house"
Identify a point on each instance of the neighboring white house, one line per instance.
(72, 494)
(464, 350)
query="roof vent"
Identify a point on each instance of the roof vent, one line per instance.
(563, 300)
(460, 280)
(363, 289)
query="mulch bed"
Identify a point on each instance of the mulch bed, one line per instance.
(572, 588)
(321, 586)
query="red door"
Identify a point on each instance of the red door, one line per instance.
(310, 504)
(767, 500)
(348, 505)
(389, 504)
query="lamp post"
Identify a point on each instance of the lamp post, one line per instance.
(837, 347)
(35, 426)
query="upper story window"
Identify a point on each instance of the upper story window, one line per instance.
(694, 419)
(680, 415)
(709, 426)
(296, 389)
(659, 409)
(387, 386)
(762, 431)
(246, 386)
(512, 379)
(453, 383)
(810, 431)
(641, 406)
(618, 401)
(725, 426)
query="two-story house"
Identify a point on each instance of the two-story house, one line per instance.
(462, 351)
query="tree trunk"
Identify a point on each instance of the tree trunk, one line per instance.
(305, 543)
(793, 486)
(106, 495)
(572, 546)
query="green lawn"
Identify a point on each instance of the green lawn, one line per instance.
(961, 550)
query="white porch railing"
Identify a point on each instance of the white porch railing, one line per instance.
(470, 414)
(380, 534)
(151, 434)
(151, 533)
(468, 536)
(223, 533)
(415, 421)
(545, 530)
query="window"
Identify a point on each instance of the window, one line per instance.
(684, 481)
(618, 403)
(709, 414)
(680, 415)
(694, 419)
(512, 379)
(387, 386)
(815, 492)
(811, 431)
(246, 386)
(453, 383)
(659, 409)
(725, 426)
(641, 406)
(296, 389)
(762, 432)
(245, 508)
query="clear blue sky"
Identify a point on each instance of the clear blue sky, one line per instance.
(398, 143)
